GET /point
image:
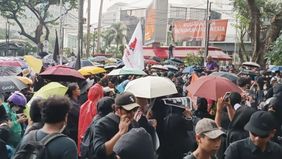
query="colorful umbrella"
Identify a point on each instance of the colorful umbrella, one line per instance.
(91, 70)
(51, 89)
(188, 70)
(13, 63)
(62, 73)
(151, 87)
(126, 71)
(25, 80)
(11, 84)
(34, 63)
(212, 87)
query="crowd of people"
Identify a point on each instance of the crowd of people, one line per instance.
(107, 122)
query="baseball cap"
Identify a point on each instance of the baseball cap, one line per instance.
(209, 128)
(261, 123)
(126, 100)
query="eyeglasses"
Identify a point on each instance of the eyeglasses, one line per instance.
(256, 135)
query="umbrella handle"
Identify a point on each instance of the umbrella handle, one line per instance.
(152, 101)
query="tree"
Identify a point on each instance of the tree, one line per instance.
(16, 9)
(262, 34)
(275, 55)
(117, 33)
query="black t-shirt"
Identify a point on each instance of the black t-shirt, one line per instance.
(59, 148)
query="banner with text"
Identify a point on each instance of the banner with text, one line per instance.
(195, 30)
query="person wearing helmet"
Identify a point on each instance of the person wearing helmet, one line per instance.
(14, 108)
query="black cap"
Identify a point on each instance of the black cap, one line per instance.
(261, 123)
(126, 100)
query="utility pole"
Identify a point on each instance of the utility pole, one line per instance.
(88, 28)
(99, 26)
(207, 31)
(7, 37)
(61, 34)
(80, 27)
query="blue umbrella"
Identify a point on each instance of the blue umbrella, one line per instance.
(188, 70)
(276, 68)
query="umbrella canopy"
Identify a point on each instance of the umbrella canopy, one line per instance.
(188, 70)
(9, 70)
(171, 68)
(11, 84)
(98, 59)
(62, 73)
(212, 87)
(13, 63)
(48, 59)
(159, 67)
(275, 68)
(91, 70)
(251, 64)
(25, 80)
(51, 89)
(34, 63)
(151, 87)
(83, 63)
(86, 85)
(126, 71)
(111, 60)
(231, 76)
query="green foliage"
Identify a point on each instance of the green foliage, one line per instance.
(192, 59)
(116, 35)
(275, 55)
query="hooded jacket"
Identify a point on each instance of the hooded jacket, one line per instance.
(88, 110)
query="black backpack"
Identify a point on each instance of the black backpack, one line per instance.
(86, 145)
(34, 149)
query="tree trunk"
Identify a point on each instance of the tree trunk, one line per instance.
(255, 28)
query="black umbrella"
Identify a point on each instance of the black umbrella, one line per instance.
(11, 84)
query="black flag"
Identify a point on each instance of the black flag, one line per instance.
(56, 49)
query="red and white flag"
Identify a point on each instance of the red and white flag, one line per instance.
(133, 52)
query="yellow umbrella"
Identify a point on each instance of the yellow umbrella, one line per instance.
(25, 80)
(34, 63)
(91, 70)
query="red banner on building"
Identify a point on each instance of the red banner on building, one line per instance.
(195, 30)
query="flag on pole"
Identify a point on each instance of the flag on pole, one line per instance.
(133, 52)
(56, 49)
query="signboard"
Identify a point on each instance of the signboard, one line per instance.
(195, 30)
(150, 24)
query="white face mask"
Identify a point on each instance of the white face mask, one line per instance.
(15, 108)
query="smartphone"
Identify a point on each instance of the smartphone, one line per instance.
(226, 96)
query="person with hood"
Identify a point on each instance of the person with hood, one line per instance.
(89, 109)
(14, 108)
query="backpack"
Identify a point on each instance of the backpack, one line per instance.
(86, 145)
(34, 149)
